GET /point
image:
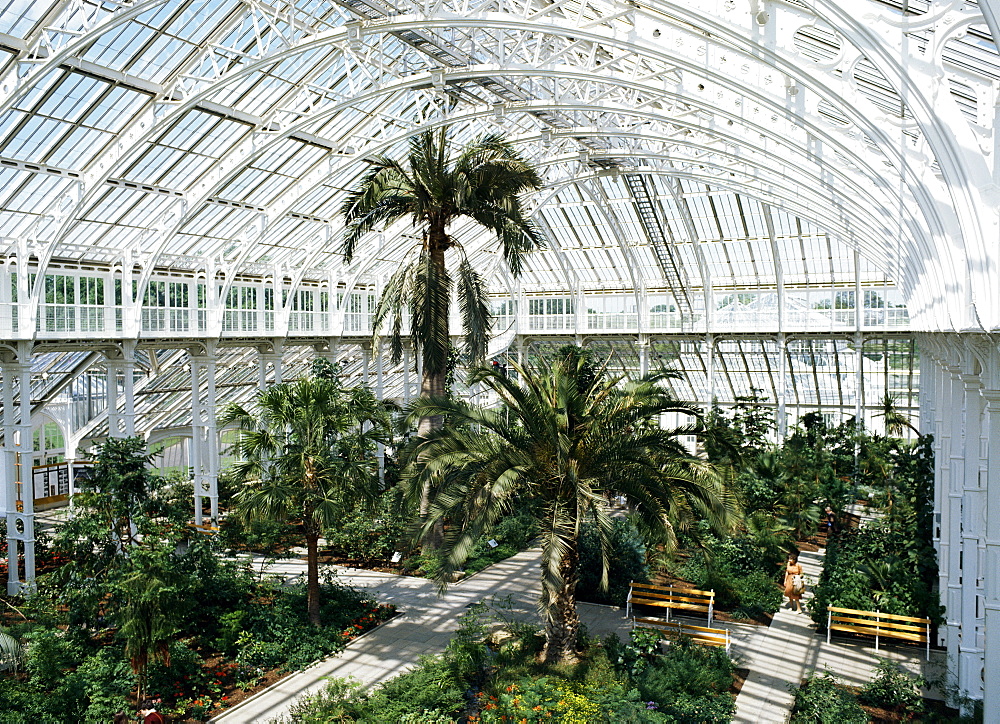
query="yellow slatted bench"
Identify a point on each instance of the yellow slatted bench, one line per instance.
(673, 629)
(670, 597)
(205, 528)
(879, 625)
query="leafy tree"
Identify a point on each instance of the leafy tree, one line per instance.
(306, 453)
(563, 447)
(120, 486)
(739, 437)
(148, 623)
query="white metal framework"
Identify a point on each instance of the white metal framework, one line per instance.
(786, 196)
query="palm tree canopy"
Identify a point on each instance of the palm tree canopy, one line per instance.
(564, 446)
(305, 449)
(484, 181)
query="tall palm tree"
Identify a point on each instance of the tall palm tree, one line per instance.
(434, 188)
(563, 446)
(306, 450)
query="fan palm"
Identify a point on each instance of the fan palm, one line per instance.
(306, 450)
(563, 446)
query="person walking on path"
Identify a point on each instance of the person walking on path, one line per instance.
(794, 584)
(149, 714)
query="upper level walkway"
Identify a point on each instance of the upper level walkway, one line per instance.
(80, 305)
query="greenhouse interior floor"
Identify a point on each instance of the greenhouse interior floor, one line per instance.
(778, 656)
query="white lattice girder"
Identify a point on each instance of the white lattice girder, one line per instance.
(705, 60)
(727, 137)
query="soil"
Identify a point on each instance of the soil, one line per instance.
(934, 711)
(739, 678)
(235, 696)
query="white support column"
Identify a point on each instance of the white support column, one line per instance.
(113, 365)
(643, 355)
(261, 371)
(970, 651)
(9, 473)
(780, 411)
(16, 469)
(211, 440)
(366, 361)
(710, 371)
(195, 448)
(269, 355)
(204, 435)
(128, 387)
(859, 377)
(991, 569)
(277, 358)
(26, 518)
(952, 469)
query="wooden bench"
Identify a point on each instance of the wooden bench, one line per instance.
(670, 597)
(879, 625)
(205, 528)
(673, 629)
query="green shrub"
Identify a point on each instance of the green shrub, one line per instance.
(429, 688)
(371, 534)
(334, 703)
(231, 625)
(819, 700)
(873, 568)
(108, 682)
(691, 709)
(742, 573)
(686, 668)
(893, 688)
(626, 559)
(756, 593)
(171, 681)
(269, 537)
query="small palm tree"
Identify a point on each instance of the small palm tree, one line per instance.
(148, 623)
(306, 450)
(895, 420)
(565, 446)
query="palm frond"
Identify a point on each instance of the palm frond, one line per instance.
(431, 297)
(476, 317)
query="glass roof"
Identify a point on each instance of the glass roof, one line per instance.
(220, 135)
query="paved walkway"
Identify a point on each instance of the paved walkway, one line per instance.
(427, 623)
(778, 656)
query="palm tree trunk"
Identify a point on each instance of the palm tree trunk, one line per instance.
(433, 384)
(563, 623)
(312, 576)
